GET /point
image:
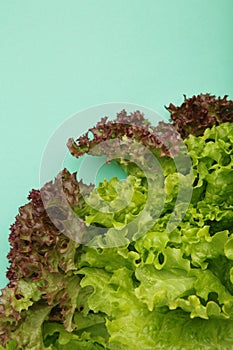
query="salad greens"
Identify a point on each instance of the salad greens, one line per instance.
(165, 289)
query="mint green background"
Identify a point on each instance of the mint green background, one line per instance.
(58, 57)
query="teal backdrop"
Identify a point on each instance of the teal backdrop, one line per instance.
(59, 57)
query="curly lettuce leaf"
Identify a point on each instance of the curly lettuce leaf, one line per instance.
(130, 323)
(199, 112)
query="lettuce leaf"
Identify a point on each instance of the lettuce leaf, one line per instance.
(200, 112)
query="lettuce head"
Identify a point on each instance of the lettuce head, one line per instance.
(115, 288)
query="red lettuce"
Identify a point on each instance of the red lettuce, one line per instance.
(200, 112)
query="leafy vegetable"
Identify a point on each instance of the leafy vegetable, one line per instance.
(165, 289)
(200, 112)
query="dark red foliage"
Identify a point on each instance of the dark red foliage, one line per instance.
(200, 112)
(134, 127)
(34, 236)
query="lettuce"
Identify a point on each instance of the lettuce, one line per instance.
(165, 289)
(200, 112)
